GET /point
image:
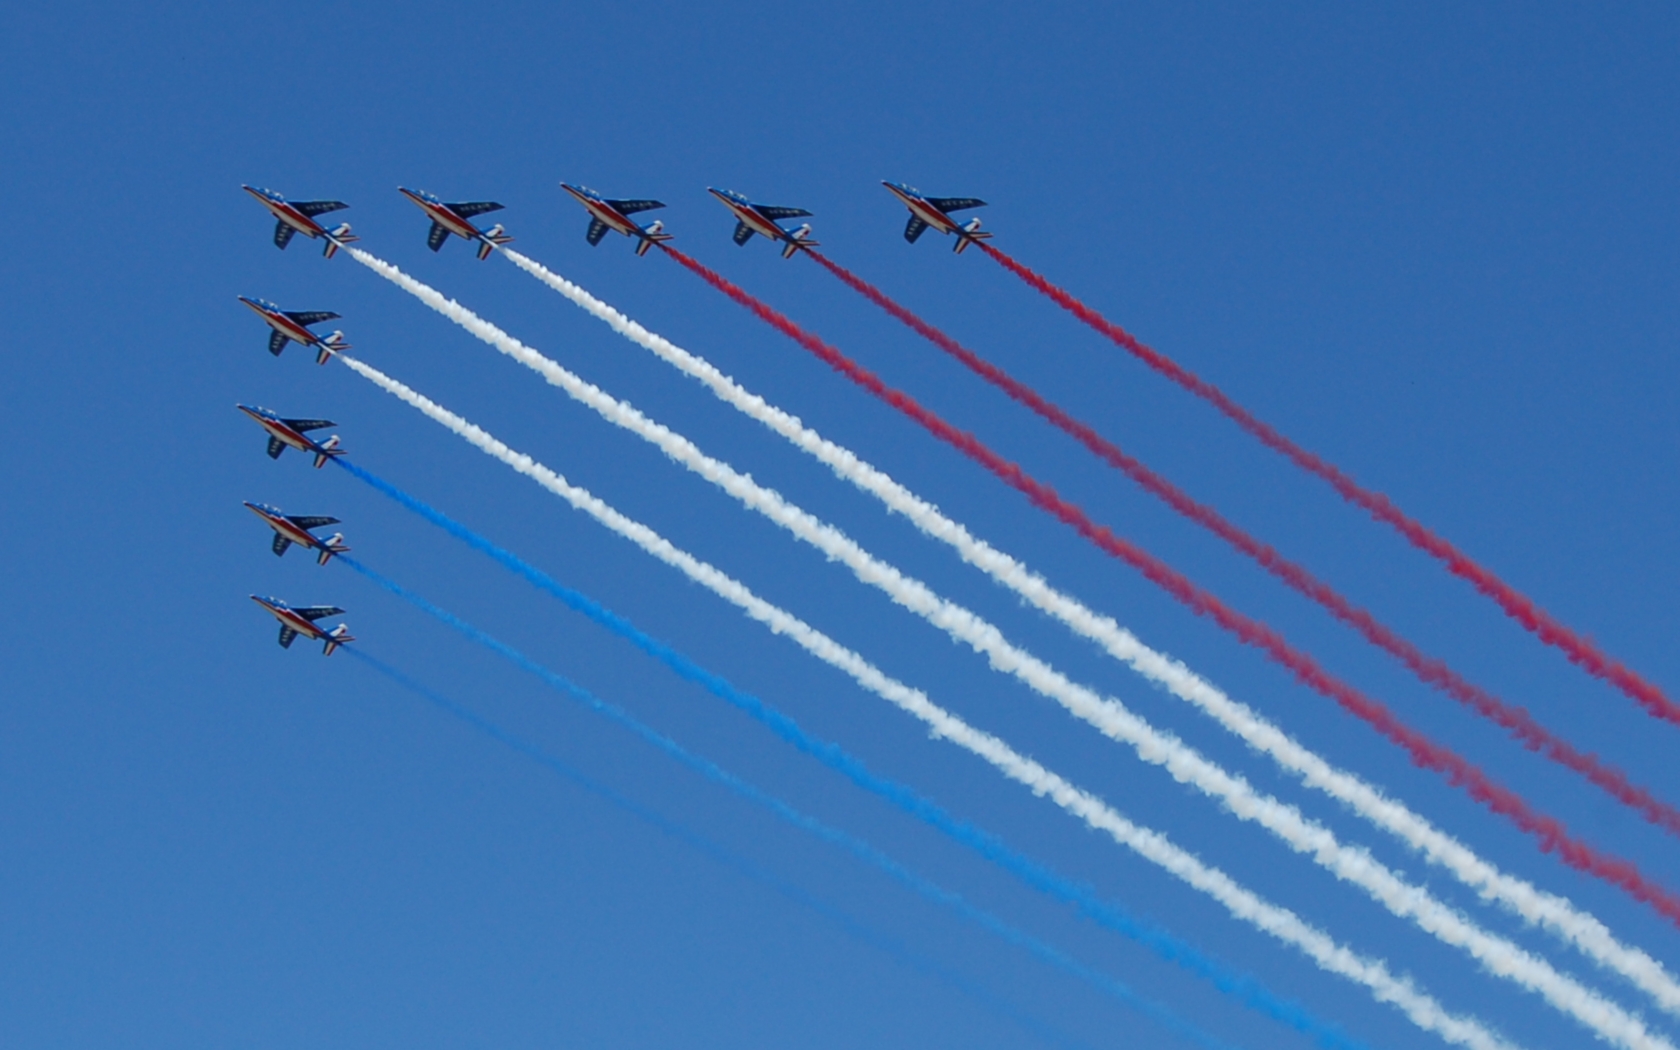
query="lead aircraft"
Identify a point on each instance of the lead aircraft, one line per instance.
(455, 218)
(292, 217)
(293, 433)
(296, 620)
(294, 528)
(606, 214)
(294, 325)
(928, 211)
(761, 219)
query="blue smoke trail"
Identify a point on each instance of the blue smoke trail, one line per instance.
(712, 771)
(764, 876)
(1244, 987)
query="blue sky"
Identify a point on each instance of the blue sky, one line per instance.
(1436, 244)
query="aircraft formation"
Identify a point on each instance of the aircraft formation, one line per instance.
(1237, 796)
(455, 219)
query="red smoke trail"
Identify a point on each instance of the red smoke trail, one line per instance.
(1580, 651)
(1515, 720)
(1551, 834)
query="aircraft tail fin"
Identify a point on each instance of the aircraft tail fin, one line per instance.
(797, 239)
(337, 637)
(490, 240)
(970, 232)
(330, 546)
(338, 238)
(328, 449)
(651, 235)
(329, 346)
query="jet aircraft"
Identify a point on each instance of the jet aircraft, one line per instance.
(294, 432)
(935, 211)
(294, 528)
(299, 217)
(761, 219)
(605, 214)
(455, 218)
(294, 325)
(296, 620)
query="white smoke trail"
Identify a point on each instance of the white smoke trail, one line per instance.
(1281, 923)
(1550, 911)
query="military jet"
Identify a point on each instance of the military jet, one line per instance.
(294, 528)
(301, 620)
(928, 211)
(606, 214)
(292, 217)
(294, 325)
(456, 219)
(294, 433)
(762, 219)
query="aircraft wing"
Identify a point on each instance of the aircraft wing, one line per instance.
(309, 317)
(315, 612)
(280, 544)
(914, 229)
(275, 447)
(314, 208)
(771, 212)
(304, 426)
(287, 635)
(597, 230)
(467, 209)
(743, 233)
(306, 521)
(632, 207)
(951, 204)
(436, 237)
(276, 342)
(282, 234)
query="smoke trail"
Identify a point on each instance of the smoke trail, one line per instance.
(1498, 955)
(1580, 651)
(856, 846)
(1164, 944)
(1434, 672)
(1547, 830)
(1551, 911)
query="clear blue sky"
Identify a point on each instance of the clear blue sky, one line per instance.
(1437, 244)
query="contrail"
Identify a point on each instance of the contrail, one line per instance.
(1244, 987)
(1550, 833)
(1580, 651)
(1553, 912)
(1432, 671)
(1151, 845)
(857, 847)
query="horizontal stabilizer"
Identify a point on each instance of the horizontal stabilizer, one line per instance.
(467, 209)
(773, 212)
(282, 235)
(287, 635)
(276, 342)
(597, 230)
(304, 426)
(280, 544)
(436, 236)
(275, 447)
(309, 317)
(307, 521)
(951, 204)
(743, 233)
(632, 207)
(913, 229)
(314, 208)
